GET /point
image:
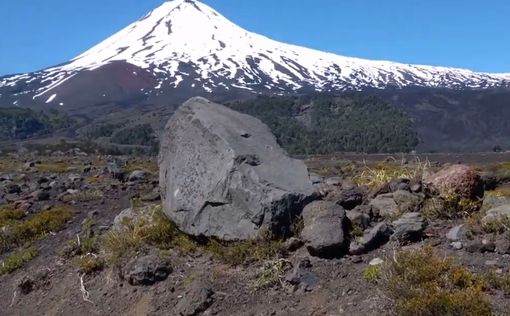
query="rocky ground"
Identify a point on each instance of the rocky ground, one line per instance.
(91, 261)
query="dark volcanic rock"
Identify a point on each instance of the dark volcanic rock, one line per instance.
(302, 278)
(372, 238)
(409, 227)
(223, 174)
(323, 232)
(351, 198)
(146, 270)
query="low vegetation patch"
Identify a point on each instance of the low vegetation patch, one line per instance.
(17, 259)
(497, 281)
(9, 215)
(421, 283)
(8, 165)
(239, 252)
(20, 231)
(55, 167)
(155, 229)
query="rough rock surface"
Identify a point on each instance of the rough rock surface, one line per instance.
(146, 270)
(351, 198)
(223, 174)
(460, 180)
(409, 227)
(323, 232)
(400, 201)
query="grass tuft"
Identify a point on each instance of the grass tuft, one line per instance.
(372, 273)
(385, 172)
(272, 272)
(154, 230)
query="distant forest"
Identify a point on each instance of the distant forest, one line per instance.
(22, 123)
(305, 125)
(324, 124)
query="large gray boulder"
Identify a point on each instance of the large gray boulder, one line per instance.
(223, 174)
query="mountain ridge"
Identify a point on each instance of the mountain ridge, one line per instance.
(185, 45)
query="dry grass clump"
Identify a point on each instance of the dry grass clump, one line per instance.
(384, 172)
(450, 206)
(152, 230)
(17, 231)
(420, 283)
(84, 196)
(17, 259)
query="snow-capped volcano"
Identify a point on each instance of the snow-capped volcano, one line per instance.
(187, 46)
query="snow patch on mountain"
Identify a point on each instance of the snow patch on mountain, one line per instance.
(187, 39)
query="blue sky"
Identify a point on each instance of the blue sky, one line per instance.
(470, 34)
